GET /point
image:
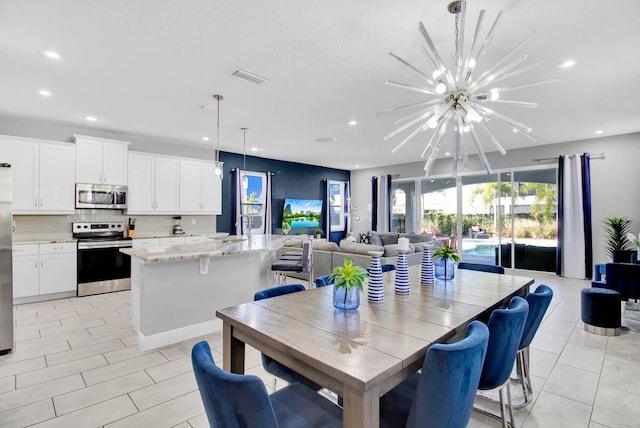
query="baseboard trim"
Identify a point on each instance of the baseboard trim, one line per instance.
(155, 341)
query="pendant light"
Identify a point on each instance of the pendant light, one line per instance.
(218, 168)
(245, 180)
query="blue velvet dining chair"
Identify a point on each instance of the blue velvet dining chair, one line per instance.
(323, 281)
(441, 397)
(270, 365)
(505, 332)
(481, 267)
(235, 401)
(538, 301)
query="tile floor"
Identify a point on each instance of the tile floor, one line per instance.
(76, 364)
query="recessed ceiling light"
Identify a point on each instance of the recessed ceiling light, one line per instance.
(599, 131)
(52, 55)
(447, 153)
(254, 149)
(357, 166)
(353, 122)
(205, 138)
(91, 118)
(568, 63)
(44, 93)
(514, 130)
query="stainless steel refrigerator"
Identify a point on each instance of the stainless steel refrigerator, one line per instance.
(6, 282)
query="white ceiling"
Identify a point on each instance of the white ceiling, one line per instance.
(145, 67)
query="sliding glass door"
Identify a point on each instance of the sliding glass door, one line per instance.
(534, 219)
(506, 219)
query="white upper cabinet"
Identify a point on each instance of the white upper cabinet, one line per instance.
(200, 188)
(153, 184)
(43, 175)
(171, 185)
(100, 161)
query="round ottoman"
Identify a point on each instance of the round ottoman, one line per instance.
(601, 311)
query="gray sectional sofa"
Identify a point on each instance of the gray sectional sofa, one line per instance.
(328, 255)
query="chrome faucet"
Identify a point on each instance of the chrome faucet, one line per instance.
(248, 217)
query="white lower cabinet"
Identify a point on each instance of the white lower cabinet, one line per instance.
(196, 239)
(172, 240)
(40, 269)
(145, 242)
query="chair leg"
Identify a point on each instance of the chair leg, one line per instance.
(502, 404)
(524, 377)
(510, 406)
(503, 417)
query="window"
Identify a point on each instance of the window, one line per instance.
(336, 190)
(253, 186)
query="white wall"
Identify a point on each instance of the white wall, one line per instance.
(613, 180)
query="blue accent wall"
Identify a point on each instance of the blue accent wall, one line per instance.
(290, 180)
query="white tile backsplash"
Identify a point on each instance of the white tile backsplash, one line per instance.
(51, 227)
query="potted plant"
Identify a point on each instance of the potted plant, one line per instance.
(445, 257)
(348, 281)
(318, 233)
(616, 230)
(286, 227)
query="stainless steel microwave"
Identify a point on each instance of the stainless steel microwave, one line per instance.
(101, 196)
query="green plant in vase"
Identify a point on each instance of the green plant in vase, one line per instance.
(445, 257)
(616, 230)
(348, 280)
(318, 233)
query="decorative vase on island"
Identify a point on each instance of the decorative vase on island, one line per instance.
(445, 269)
(346, 300)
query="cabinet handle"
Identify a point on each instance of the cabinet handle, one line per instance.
(35, 202)
(104, 178)
(36, 264)
(40, 202)
(41, 265)
(57, 248)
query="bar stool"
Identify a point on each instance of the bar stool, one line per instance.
(281, 267)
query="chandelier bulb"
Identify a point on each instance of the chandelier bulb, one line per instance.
(436, 73)
(441, 88)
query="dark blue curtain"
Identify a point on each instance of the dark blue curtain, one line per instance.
(586, 197)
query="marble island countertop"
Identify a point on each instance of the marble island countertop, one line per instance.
(215, 247)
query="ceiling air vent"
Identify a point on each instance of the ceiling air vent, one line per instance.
(250, 76)
(324, 140)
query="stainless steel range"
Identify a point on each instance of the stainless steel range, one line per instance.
(102, 268)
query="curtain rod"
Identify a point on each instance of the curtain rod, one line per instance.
(598, 156)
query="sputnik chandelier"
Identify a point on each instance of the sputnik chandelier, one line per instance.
(461, 98)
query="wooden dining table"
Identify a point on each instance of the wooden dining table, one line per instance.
(362, 354)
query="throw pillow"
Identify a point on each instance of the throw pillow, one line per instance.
(364, 238)
(351, 239)
(374, 239)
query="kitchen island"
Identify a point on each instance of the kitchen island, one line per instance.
(176, 290)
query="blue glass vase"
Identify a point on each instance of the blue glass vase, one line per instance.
(347, 301)
(445, 269)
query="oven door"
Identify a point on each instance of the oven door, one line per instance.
(102, 268)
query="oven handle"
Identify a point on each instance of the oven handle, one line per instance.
(104, 244)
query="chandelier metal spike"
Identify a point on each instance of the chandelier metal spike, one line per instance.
(461, 99)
